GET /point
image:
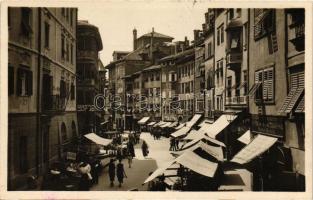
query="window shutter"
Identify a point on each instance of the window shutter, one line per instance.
(297, 80)
(19, 82)
(29, 87)
(268, 84)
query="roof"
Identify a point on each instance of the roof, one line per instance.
(153, 67)
(180, 54)
(122, 52)
(156, 35)
(134, 55)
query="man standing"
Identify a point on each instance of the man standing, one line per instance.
(120, 172)
(112, 171)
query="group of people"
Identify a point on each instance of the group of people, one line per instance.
(174, 144)
(120, 172)
(158, 185)
(156, 132)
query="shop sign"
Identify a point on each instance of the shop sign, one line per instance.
(268, 125)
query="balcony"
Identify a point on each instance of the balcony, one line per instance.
(87, 54)
(236, 100)
(54, 103)
(233, 60)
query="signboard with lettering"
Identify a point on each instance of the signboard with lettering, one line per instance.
(269, 125)
(71, 156)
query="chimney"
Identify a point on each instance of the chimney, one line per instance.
(151, 45)
(186, 42)
(135, 38)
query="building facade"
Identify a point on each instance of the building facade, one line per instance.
(89, 44)
(42, 81)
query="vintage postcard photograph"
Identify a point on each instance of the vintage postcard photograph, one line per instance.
(156, 99)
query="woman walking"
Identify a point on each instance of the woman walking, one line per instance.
(144, 148)
(120, 173)
(112, 171)
(130, 160)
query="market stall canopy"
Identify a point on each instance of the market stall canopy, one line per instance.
(173, 124)
(197, 164)
(159, 171)
(180, 132)
(216, 152)
(102, 123)
(259, 145)
(180, 126)
(194, 134)
(219, 125)
(151, 123)
(202, 136)
(159, 124)
(206, 121)
(237, 179)
(143, 120)
(166, 124)
(97, 139)
(194, 120)
(246, 137)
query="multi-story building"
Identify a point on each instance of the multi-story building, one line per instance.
(89, 44)
(148, 49)
(276, 79)
(208, 34)
(42, 99)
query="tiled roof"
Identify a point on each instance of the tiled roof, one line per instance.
(153, 67)
(157, 35)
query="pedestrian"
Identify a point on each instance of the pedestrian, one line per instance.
(144, 148)
(130, 160)
(112, 172)
(171, 144)
(151, 184)
(176, 144)
(161, 185)
(131, 149)
(120, 172)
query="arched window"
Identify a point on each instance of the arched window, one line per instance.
(63, 132)
(74, 133)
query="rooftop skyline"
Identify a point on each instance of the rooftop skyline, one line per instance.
(116, 21)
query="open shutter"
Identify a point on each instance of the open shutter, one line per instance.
(268, 84)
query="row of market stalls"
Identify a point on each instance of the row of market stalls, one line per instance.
(211, 154)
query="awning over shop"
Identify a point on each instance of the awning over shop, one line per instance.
(216, 152)
(97, 139)
(143, 120)
(166, 124)
(181, 132)
(105, 122)
(206, 121)
(173, 124)
(194, 120)
(259, 145)
(197, 164)
(246, 137)
(180, 126)
(151, 123)
(219, 125)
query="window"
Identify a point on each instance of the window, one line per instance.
(62, 46)
(72, 54)
(210, 50)
(264, 22)
(72, 91)
(245, 79)
(67, 51)
(230, 13)
(218, 37)
(74, 131)
(47, 34)
(11, 80)
(238, 10)
(222, 34)
(24, 82)
(157, 77)
(26, 21)
(229, 86)
(63, 132)
(71, 17)
(63, 12)
(62, 89)
(266, 90)
(246, 39)
(221, 69)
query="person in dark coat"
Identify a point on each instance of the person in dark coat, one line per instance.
(161, 185)
(176, 144)
(131, 149)
(112, 171)
(144, 148)
(120, 172)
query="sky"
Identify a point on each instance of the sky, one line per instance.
(116, 21)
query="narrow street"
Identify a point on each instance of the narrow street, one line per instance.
(136, 175)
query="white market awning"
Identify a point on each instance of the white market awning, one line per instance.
(166, 124)
(159, 171)
(194, 134)
(181, 132)
(97, 139)
(180, 126)
(246, 137)
(151, 123)
(197, 164)
(206, 121)
(259, 145)
(203, 137)
(159, 124)
(219, 125)
(216, 152)
(143, 120)
(173, 124)
(194, 120)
